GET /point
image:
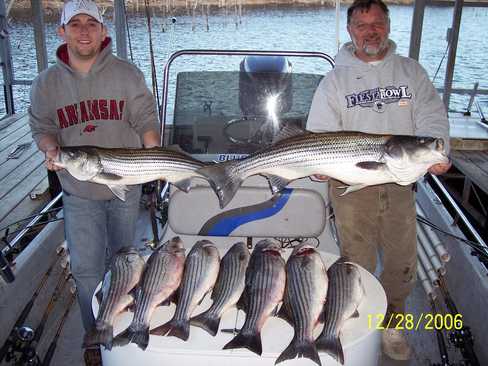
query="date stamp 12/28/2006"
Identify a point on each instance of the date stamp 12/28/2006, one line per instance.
(422, 321)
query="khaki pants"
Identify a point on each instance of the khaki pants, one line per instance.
(380, 218)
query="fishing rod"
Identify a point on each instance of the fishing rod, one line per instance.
(26, 340)
(440, 339)
(9, 343)
(477, 249)
(460, 338)
(63, 280)
(52, 347)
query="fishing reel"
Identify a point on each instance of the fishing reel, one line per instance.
(22, 351)
(464, 341)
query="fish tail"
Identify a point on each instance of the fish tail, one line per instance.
(223, 179)
(207, 321)
(139, 336)
(99, 336)
(300, 349)
(332, 345)
(251, 341)
(177, 328)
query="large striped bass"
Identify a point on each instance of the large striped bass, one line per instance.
(305, 293)
(161, 278)
(228, 288)
(265, 285)
(121, 279)
(357, 159)
(199, 276)
(119, 167)
(343, 298)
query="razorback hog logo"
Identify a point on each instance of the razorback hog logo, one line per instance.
(89, 128)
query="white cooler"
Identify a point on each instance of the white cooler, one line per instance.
(360, 341)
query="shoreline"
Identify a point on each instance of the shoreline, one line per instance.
(21, 9)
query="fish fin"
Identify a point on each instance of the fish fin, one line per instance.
(371, 165)
(138, 336)
(110, 176)
(119, 191)
(284, 313)
(289, 130)
(354, 188)
(298, 348)
(122, 339)
(276, 310)
(355, 314)
(321, 318)
(276, 183)
(99, 336)
(242, 302)
(176, 328)
(206, 321)
(331, 345)
(251, 341)
(177, 148)
(201, 300)
(173, 298)
(183, 185)
(99, 296)
(223, 180)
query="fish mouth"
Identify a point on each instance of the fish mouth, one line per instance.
(272, 250)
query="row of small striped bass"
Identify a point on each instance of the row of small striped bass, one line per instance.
(354, 158)
(257, 283)
(117, 167)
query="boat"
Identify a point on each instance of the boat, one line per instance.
(233, 120)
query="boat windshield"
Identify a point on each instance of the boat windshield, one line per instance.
(234, 113)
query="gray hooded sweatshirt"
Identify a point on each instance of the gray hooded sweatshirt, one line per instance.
(392, 97)
(110, 106)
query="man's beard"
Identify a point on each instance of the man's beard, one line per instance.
(371, 50)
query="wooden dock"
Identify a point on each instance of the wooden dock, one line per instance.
(23, 176)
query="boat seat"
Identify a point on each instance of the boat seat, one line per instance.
(253, 212)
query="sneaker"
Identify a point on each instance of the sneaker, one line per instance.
(93, 357)
(395, 345)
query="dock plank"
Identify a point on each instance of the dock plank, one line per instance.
(28, 205)
(10, 165)
(12, 198)
(9, 141)
(15, 177)
(473, 164)
(7, 121)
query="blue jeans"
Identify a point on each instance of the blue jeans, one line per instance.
(95, 230)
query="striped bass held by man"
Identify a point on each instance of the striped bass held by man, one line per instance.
(117, 168)
(356, 159)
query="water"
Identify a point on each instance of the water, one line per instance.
(272, 28)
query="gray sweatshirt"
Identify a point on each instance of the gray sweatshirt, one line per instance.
(392, 97)
(110, 106)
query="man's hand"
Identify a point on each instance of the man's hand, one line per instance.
(319, 178)
(438, 169)
(51, 155)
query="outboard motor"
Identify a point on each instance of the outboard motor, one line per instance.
(265, 82)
